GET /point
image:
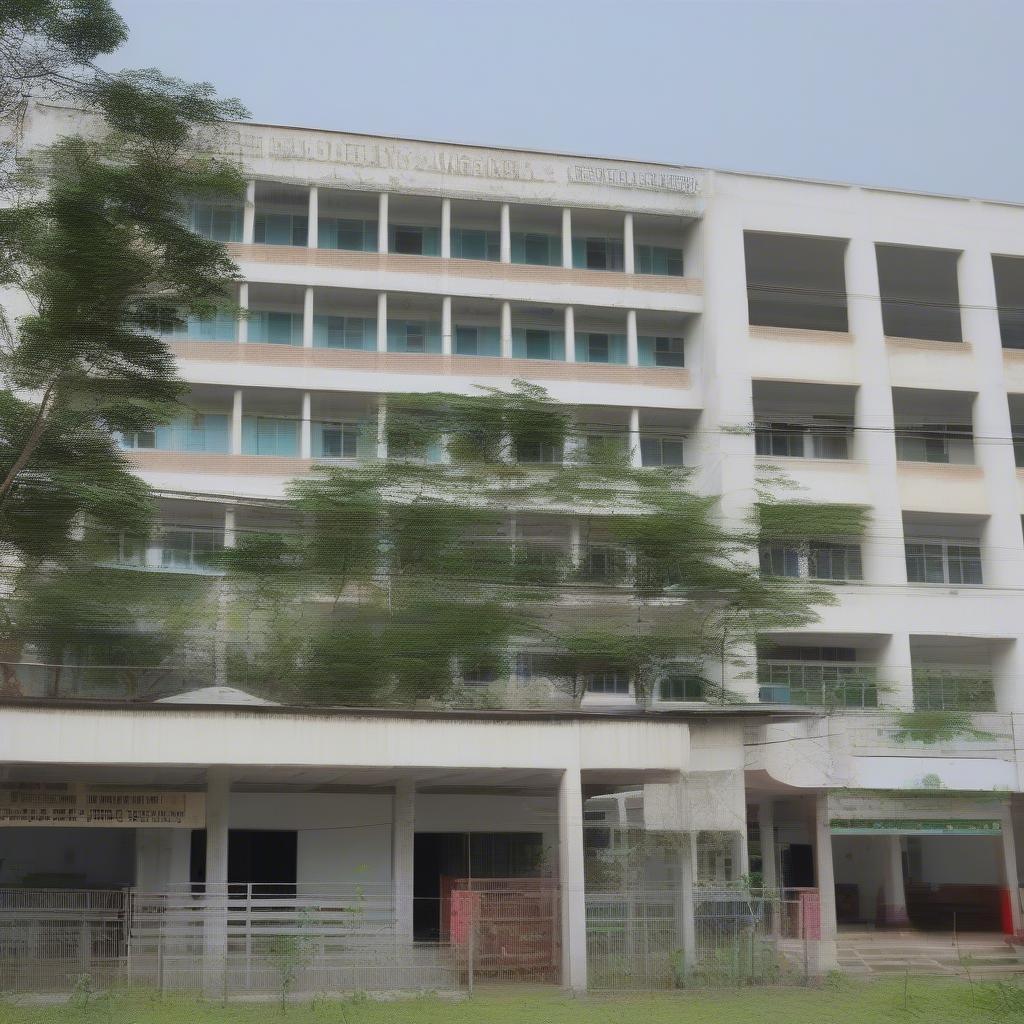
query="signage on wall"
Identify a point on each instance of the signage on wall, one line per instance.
(915, 827)
(77, 804)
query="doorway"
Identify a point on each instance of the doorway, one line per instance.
(267, 858)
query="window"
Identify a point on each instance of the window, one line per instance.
(356, 235)
(682, 686)
(536, 250)
(352, 332)
(934, 443)
(604, 448)
(538, 344)
(339, 441)
(272, 327)
(415, 338)
(601, 562)
(280, 229)
(953, 688)
(615, 681)
(661, 451)
(270, 435)
(467, 341)
(780, 560)
(478, 673)
(473, 244)
(782, 439)
(538, 452)
(601, 254)
(939, 561)
(668, 351)
(221, 222)
(597, 348)
(829, 682)
(657, 259)
(800, 440)
(189, 549)
(139, 439)
(834, 561)
(408, 241)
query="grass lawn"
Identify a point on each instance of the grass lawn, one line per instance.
(928, 1000)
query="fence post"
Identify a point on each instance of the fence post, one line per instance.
(248, 935)
(470, 947)
(160, 958)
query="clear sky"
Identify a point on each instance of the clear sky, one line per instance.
(917, 94)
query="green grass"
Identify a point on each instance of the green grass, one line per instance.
(926, 1000)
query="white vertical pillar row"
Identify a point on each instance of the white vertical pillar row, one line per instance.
(382, 321)
(894, 895)
(236, 422)
(1002, 539)
(571, 876)
(307, 318)
(249, 213)
(632, 343)
(766, 826)
(570, 334)
(567, 238)
(446, 228)
(382, 426)
(403, 836)
(636, 459)
(505, 238)
(1010, 876)
(506, 330)
(382, 222)
(243, 308)
(313, 218)
(824, 871)
(447, 345)
(875, 445)
(628, 248)
(306, 427)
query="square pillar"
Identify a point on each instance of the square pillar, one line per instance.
(1010, 876)
(570, 873)
(446, 229)
(382, 322)
(215, 935)
(686, 924)
(249, 213)
(307, 318)
(446, 326)
(636, 459)
(506, 330)
(567, 238)
(570, 334)
(306, 427)
(236, 422)
(628, 250)
(766, 826)
(243, 307)
(403, 833)
(382, 223)
(893, 912)
(824, 871)
(382, 426)
(313, 219)
(505, 238)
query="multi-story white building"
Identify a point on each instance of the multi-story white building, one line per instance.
(874, 340)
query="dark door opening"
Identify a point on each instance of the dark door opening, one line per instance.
(267, 858)
(438, 855)
(798, 866)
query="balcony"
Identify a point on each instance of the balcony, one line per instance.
(919, 293)
(827, 684)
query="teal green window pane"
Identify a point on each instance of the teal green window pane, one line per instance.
(534, 343)
(198, 432)
(356, 235)
(353, 332)
(579, 252)
(412, 240)
(431, 242)
(597, 347)
(658, 259)
(477, 341)
(536, 249)
(221, 222)
(268, 435)
(660, 351)
(414, 336)
(336, 440)
(271, 327)
(475, 244)
(280, 229)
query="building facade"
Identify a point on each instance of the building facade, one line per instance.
(866, 343)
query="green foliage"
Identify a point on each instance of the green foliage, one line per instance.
(927, 726)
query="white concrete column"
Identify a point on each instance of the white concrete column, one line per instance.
(571, 876)
(243, 306)
(570, 334)
(307, 318)
(766, 826)
(894, 895)
(446, 229)
(567, 238)
(505, 241)
(382, 321)
(1010, 876)
(382, 426)
(306, 427)
(447, 345)
(635, 456)
(249, 213)
(313, 218)
(218, 807)
(236, 422)
(220, 653)
(382, 222)
(403, 834)
(575, 543)
(825, 875)
(882, 548)
(506, 330)
(230, 539)
(628, 249)
(686, 923)
(632, 344)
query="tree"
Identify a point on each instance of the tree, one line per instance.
(96, 258)
(405, 578)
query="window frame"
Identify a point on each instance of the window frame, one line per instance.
(945, 544)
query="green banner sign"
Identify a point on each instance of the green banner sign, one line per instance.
(915, 827)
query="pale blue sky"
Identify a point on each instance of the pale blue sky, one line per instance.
(919, 94)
